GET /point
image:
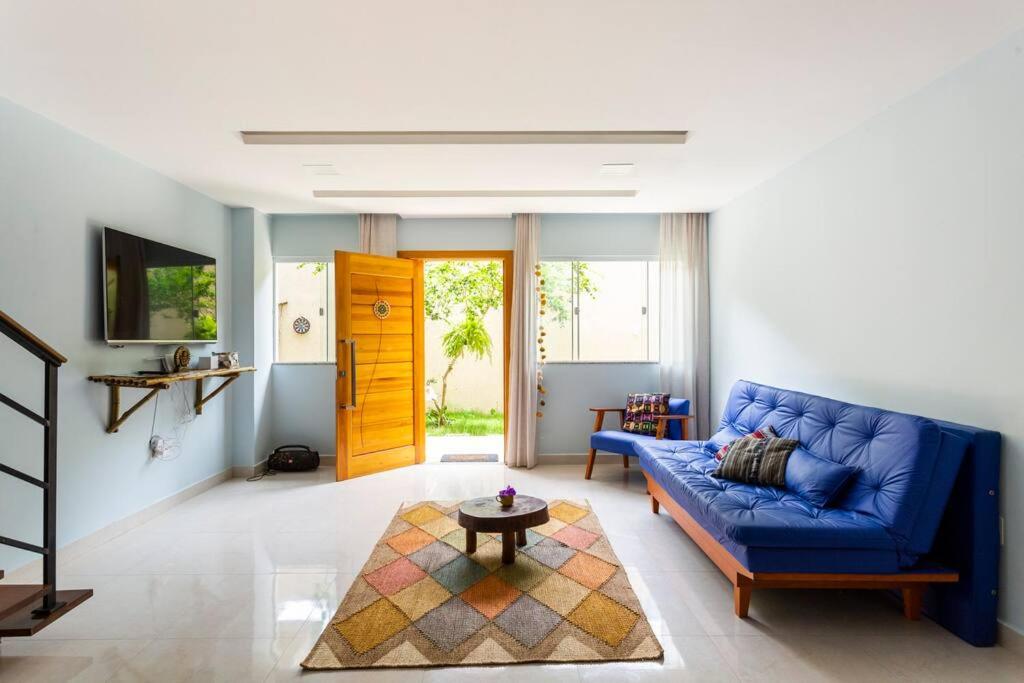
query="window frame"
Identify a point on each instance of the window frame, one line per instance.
(575, 322)
(330, 314)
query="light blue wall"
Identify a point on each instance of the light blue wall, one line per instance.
(460, 233)
(57, 191)
(318, 235)
(573, 235)
(303, 395)
(253, 324)
(891, 271)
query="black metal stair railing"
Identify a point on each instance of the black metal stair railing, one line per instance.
(52, 362)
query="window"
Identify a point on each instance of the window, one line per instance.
(304, 315)
(600, 311)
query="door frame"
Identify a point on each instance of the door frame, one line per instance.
(506, 258)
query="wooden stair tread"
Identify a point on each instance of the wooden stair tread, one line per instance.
(22, 623)
(16, 596)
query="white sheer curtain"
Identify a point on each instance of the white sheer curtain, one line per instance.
(378, 234)
(685, 318)
(521, 440)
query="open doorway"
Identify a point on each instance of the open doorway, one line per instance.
(467, 304)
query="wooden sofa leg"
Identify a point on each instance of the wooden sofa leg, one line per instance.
(655, 505)
(741, 599)
(912, 602)
(590, 463)
(625, 461)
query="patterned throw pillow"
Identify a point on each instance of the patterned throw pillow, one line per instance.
(768, 431)
(640, 412)
(757, 461)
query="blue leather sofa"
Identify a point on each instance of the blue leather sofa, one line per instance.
(617, 441)
(919, 515)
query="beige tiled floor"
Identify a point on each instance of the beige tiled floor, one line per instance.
(236, 585)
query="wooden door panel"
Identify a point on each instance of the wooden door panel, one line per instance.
(381, 266)
(382, 460)
(381, 437)
(367, 289)
(384, 406)
(383, 377)
(383, 425)
(399, 321)
(382, 348)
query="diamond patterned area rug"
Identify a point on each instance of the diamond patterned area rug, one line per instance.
(421, 601)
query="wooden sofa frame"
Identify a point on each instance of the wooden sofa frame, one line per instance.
(911, 584)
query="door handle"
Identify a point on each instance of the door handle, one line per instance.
(351, 372)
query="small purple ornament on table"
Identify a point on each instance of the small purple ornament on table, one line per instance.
(507, 496)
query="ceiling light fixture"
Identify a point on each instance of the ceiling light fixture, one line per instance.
(456, 137)
(406, 194)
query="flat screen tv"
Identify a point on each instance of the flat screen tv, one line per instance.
(157, 293)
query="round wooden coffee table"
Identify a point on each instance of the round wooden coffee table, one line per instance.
(486, 515)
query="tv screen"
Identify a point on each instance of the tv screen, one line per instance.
(157, 293)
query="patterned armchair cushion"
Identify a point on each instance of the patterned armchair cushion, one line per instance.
(641, 410)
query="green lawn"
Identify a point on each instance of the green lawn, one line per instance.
(469, 422)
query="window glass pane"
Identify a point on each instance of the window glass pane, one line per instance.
(601, 310)
(612, 324)
(557, 323)
(304, 315)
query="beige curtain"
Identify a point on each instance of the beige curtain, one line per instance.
(378, 234)
(685, 318)
(521, 440)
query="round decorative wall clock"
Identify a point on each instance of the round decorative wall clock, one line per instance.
(381, 309)
(301, 325)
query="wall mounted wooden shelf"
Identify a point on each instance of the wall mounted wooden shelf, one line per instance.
(155, 383)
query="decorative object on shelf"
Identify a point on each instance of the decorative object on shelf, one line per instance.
(542, 356)
(182, 359)
(206, 362)
(507, 496)
(381, 309)
(228, 360)
(301, 325)
(154, 383)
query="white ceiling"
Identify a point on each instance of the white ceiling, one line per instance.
(758, 84)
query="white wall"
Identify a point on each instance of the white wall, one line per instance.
(303, 396)
(886, 269)
(57, 191)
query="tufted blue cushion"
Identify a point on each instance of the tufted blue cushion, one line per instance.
(751, 515)
(894, 454)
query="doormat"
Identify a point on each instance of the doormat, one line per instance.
(469, 457)
(420, 600)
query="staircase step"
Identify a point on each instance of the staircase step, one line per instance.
(22, 623)
(14, 597)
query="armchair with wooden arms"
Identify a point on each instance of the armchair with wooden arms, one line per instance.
(673, 426)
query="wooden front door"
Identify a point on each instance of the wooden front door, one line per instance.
(381, 422)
